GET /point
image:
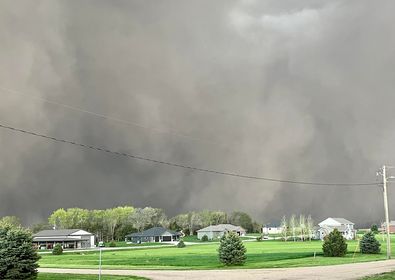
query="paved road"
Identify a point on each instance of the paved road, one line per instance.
(344, 271)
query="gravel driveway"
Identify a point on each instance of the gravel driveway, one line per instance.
(344, 271)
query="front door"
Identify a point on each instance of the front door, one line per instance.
(156, 238)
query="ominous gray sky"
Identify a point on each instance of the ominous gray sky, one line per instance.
(289, 89)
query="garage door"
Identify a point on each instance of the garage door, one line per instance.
(166, 238)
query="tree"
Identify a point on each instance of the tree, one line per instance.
(242, 219)
(292, 225)
(309, 226)
(284, 228)
(194, 220)
(57, 249)
(334, 245)
(18, 258)
(231, 250)
(374, 229)
(369, 244)
(181, 244)
(10, 220)
(39, 227)
(302, 227)
(115, 217)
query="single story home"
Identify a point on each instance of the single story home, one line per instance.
(218, 231)
(345, 227)
(68, 238)
(271, 229)
(384, 227)
(155, 234)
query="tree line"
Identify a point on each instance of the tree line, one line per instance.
(297, 228)
(115, 223)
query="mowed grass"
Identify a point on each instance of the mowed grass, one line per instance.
(265, 254)
(384, 276)
(58, 276)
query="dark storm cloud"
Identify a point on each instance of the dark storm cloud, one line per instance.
(288, 89)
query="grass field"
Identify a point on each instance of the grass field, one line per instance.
(124, 244)
(56, 276)
(384, 276)
(265, 254)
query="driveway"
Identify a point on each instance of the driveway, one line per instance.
(343, 271)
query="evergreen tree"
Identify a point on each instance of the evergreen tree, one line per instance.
(57, 249)
(231, 250)
(369, 244)
(334, 245)
(18, 258)
(374, 229)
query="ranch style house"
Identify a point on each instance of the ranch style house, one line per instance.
(68, 238)
(155, 234)
(217, 231)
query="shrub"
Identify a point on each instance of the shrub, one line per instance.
(112, 244)
(369, 244)
(57, 250)
(259, 238)
(18, 258)
(204, 238)
(334, 245)
(181, 244)
(231, 250)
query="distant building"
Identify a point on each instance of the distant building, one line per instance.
(384, 227)
(68, 238)
(217, 231)
(155, 234)
(271, 229)
(345, 227)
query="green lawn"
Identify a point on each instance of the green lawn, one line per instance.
(265, 254)
(384, 276)
(124, 244)
(56, 276)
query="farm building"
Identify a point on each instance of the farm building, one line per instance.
(271, 229)
(345, 227)
(68, 238)
(217, 231)
(155, 234)
(384, 227)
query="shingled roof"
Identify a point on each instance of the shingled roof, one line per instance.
(56, 232)
(221, 228)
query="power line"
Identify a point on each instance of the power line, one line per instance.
(109, 118)
(102, 149)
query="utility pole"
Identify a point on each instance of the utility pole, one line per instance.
(387, 222)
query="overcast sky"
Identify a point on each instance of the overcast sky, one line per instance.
(298, 90)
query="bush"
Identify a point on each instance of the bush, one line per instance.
(334, 245)
(231, 250)
(57, 250)
(181, 244)
(18, 258)
(204, 238)
(112, 244)
(259, 238)
(369, 244)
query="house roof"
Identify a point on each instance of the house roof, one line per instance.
(57, 232)
(342, 221)
(155, 231)
(222, 227)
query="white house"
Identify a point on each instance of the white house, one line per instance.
(345, 227)
(217, 231)
(68, 238)
(271, 229)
